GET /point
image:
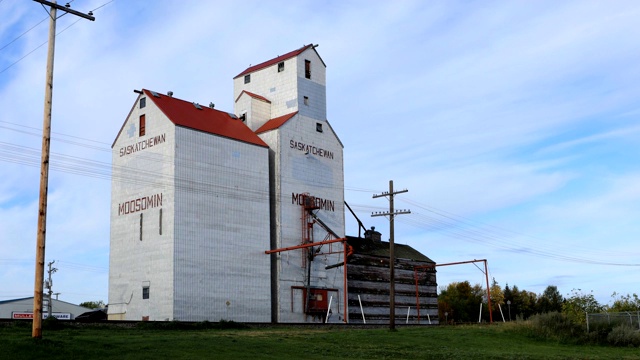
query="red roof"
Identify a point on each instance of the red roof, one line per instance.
(275, 61)
(255, 96)
(206, 119)
(275, 123)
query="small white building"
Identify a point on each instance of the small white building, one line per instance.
(23, 309)
(199, 195)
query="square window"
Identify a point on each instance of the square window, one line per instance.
(281, 66)
(143, 102)
(306, 100)
(319, 127)
(307, 69)
(143, 125)
(247, 78)
(145, 292)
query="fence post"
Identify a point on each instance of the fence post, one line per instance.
(587, 321)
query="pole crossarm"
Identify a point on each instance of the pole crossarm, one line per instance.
(397, 212)
(66, 9)
(388, 193)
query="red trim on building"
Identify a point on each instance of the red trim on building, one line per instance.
(206, 119)
(274, 61)
(255, 96)
(275, 123)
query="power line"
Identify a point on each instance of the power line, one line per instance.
(24, 33)
(108, 2)
(449, 224)
(39, 46)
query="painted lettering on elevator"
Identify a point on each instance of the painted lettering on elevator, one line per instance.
(141, 145)
(320, 203)
(140, 204)
(310, 149)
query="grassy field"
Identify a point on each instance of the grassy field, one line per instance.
(438, 342)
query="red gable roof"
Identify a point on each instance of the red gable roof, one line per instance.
(186, 114)
(275, 123)
(255, 96)
(274, 61)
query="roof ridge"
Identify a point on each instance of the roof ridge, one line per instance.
(253, 95)
(275, 60)
(275, 122)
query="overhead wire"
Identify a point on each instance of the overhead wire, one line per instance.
(44, 43)
(452, 226)
(439, 221)
(24, 33)
(500, 234)
(38, 47)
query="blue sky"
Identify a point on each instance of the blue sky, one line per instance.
(513, 124)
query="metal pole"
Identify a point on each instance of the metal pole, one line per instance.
(345, 293)
(36, 330)
(392, 261)
(415, 276)
(486, 274)
(329, 309)
(361, 310)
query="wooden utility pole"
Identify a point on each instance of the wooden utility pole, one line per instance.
(44, 166)
(49, 285)
(392, 259)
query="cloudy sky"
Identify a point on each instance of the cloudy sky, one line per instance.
(513, 124)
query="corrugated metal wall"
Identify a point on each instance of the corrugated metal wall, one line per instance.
(222, 229)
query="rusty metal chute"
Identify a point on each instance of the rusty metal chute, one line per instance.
(309, 219)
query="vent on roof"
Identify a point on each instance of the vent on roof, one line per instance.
(170, 93)
(155, 94)
(212, 105)
(197, 106)
(233, 115)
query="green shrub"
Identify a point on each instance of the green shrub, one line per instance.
(624, 335)
(557, 326)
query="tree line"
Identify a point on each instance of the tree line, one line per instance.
(459, 302)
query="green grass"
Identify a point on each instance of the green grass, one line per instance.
(443, 342)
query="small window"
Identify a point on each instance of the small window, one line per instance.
(319, 127)
(143, 102)
(140, 226)
(145, 292)
(143, 125)
(243, 117)
(247, 78)
(307, 69)
(281, 66)
(306, 100)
